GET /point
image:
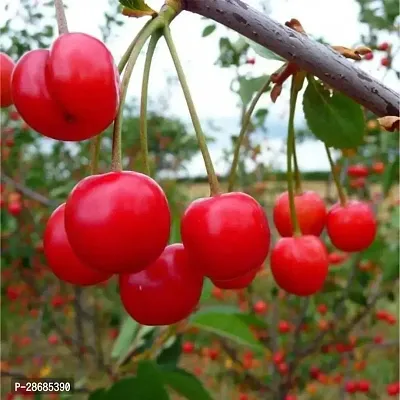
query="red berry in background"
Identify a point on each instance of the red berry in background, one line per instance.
(240, 282)
(283, 368)
(357, 171)
(336, 258)
(217, 293)
(378, 339)
(243, 396)
(57, 301)
(278, 357)
(226, 236)
(69, 92)
(166, 292)
(260, 307)
(351, 387)
(385, 61)
(369, 56)
(188, 347)
(251, 61)
(299, 265)
(351, 227)
(117, 222)
(213, 354)
(393, 389)
(357, 183)
(15, 208)
(14, 115)
(53, 339)
(284, 327)
(383, 46)
(378, 167)
(6, 69)
(310, 211)
(314, 372)
(322, 309)
(62, 259)
(364, 386)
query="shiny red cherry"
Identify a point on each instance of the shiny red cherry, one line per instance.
(351, 387)
(6, 69)
(166, 292)
(364, 386)
(383, 46)
(260, 307)
(227, 235)
(357, 171)
(61, 258)
(299, 265)
(69, 92)
(15, 208)
(378, 167)
(117, 222)
(336, 258)
(240, 282)
(385, 62)
(351, 227)
(310, 211)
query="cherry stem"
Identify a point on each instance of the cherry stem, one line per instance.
(243, 132)
(143, 101)
(298, 187)
(289, 154)
(60, 17)
(155, 24)
(339, 187)
(212, 177)
(125, 57)
(95, 151)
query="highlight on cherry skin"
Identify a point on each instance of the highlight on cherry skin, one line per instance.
(69, 92)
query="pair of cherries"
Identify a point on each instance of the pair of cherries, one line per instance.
(69, 92)
(119, 223)
(300, 264)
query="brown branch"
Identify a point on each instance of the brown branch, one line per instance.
(60, 16)
(311, 56)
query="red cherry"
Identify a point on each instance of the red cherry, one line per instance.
(278, 357)
(283, 368)
(187, 347)
(314, 372)
(284, 327)
(61, 258)
(378, 339)
(69, 92)
(357, 171)
(237, 283)
(357, 183)
(53, 339)
(6, 69)
(369, 56)
(310, 211)
(15, 208)
(383, 46)
(260, 307)
(351, 387)
(336, 258)
(364, 386)
(226, 235)
(378, 167)
(322, 309)
(299, 264)
(117, 222)
(166, 292)
(14, 115)
(251, 61)
(393, 389)
(385, 62)
(351, 227)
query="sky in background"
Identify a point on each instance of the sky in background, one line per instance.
(334, 21)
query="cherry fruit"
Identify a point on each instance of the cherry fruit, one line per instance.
(69, 92)
(357, 171)
(6, 69)
(118, 222)
(299, 265)
(166, 292)
(383, 46)
(310, 211)
(351, 227)
(226, 236)
(240, 282)
(62, 259)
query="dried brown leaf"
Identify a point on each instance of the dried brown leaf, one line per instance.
(296, 25)
(390, 123)
(275, 92)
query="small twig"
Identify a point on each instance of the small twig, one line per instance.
(60, 16)
(29, 192)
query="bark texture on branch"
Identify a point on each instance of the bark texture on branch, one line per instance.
(310, 55)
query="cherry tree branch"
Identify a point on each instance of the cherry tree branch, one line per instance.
(310, 55)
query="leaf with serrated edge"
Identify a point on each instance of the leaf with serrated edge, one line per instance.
(335, 119)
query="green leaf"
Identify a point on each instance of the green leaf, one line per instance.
(170, 355)
(249, 86)
(136, 8)
(98, 394)
(335, 119)
(185, 384)
(208, 30)
(374, 252)
(207, 290)
(390, 176)
(125, 337)
(356, 294)
(226, 324)
(151, 386)
(390, 264)
(263, 51)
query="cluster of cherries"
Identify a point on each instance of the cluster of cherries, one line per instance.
(119, 222)
(385, 61)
